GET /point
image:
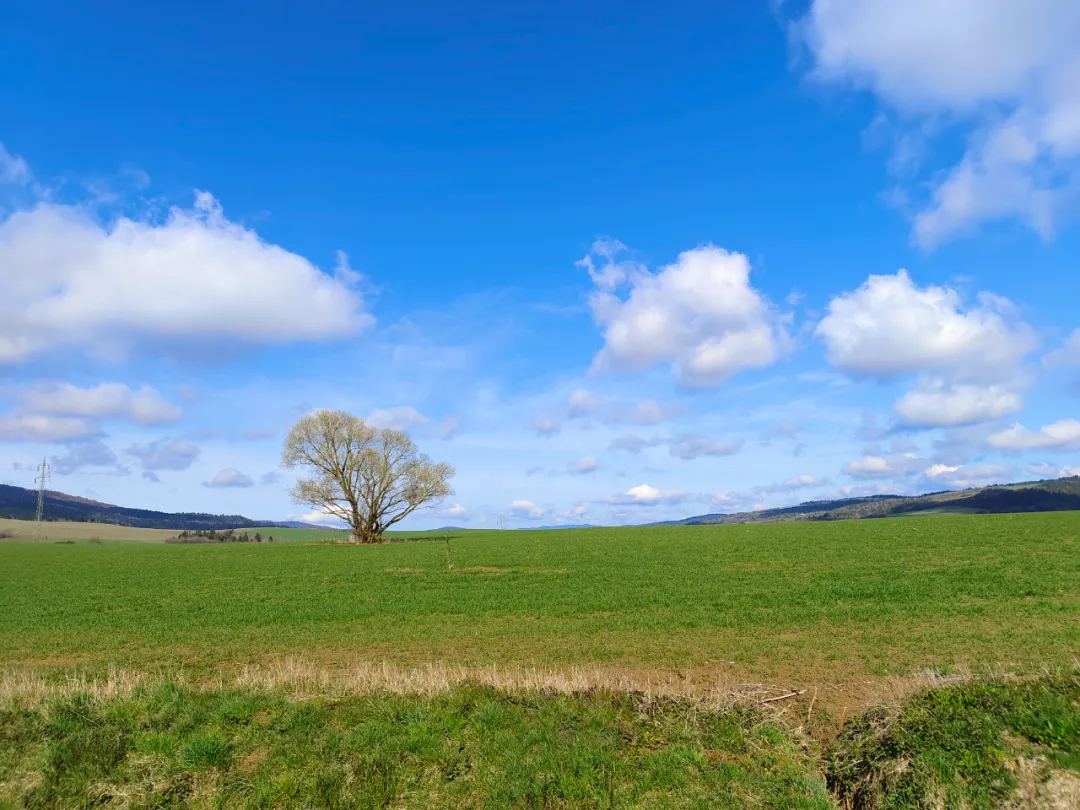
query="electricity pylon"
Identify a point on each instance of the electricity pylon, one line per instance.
(43, 477)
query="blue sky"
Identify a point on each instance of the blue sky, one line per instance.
(615, 262)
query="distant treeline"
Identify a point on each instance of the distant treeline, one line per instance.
(215, 536)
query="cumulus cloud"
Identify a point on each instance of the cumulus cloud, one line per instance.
(15, 427)
(965, 477)
(645, 495)
(320, 518)
(229, 478)
(942, 406)
(400, 417)
(271, 477)
(693, 445)
(891, 466)
(455, 512)
(1008, 71)
(85, 454)
(104, 401)
(586, 464)
(1061, 435)
(164, 454)
(967, 358)
(578, 513)
(584, 402)
(72, 282)
(528, 510)
(700, 315)
(889, 327)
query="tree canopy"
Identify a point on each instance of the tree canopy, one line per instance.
(368, 477)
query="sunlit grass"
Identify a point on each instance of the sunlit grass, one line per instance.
(794, 601)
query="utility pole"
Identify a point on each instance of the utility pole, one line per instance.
(43, 477)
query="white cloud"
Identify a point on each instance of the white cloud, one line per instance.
(164, 454)
(888, 326)
(891, 466)
(960, 405)
(13, 169)
(940, 470)
(545, 424)
(107, 400)
(528, 510)
(229, 478)
(320, 518)
(71, 282)
(1008, 70)
(400, 417)
(38, 427)
(968, 359)
(578, 513)
(586, 464)
(963, 477)
(584, 402)
(1045, 470)
(692, 445)
(456, 512)
(699, 315)
(1061, 435)
(645, 495)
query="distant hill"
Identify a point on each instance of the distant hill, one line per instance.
(1058, 495)
(21, 504)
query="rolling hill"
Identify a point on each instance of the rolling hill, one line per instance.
(1062, 494)
(1058, 495)
(21, 504)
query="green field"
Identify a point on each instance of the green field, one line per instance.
(797, 603)
(321, 675)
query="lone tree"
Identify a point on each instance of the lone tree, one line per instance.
(371, 478)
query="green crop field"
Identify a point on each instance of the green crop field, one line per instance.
(800, 601)
(318, 675)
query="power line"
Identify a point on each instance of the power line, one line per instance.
(43, 477)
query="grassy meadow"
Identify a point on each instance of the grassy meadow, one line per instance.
(796, 602)
(650, 667)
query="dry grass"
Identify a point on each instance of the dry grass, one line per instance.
(63, 531)
(304, 679)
